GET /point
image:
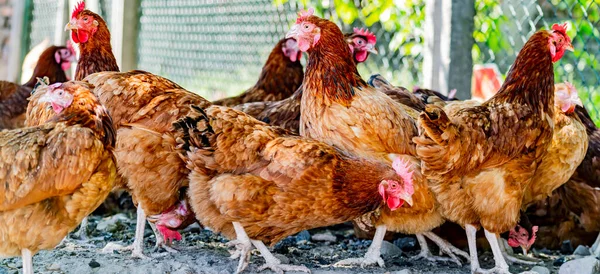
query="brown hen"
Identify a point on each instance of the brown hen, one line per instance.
(54, 174)
(340, 109)
(255, 180)
(482, 159)
(143, 107)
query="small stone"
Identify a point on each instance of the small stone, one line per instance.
(390, 250)
(324, 237)
(582, 251)
(303, 236)
(53, 267)
(560, 261)
(94, 264)
(110, 224)
(586, 265)
(283, 259)
(403, 271)
(540, 270)
(566, 247)
(406, 243)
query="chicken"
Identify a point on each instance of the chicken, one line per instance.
(571, 212)
(280, 76)
(340, 109)
(53, 63)
(486, 156)
(143, 107)
(54, 174)
(253, 180)
(286, 113)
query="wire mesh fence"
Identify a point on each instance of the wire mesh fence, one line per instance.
(217, 48)
(501, 29)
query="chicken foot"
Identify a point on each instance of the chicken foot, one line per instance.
(160, 241)
(512, 259)
(27, 258)
(243, 247)
(444, 246)
(273, 263)
(137, 247)
(373, 255)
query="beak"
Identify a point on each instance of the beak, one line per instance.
(577, 101)
(408, 199)
(524, 250)
(372, 49)
(570, 47)
(72, 25)
(293, 32)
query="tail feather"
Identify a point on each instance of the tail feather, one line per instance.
(434, 121)
(377, 81)
(196, 129)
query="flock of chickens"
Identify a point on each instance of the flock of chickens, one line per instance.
(299, 150)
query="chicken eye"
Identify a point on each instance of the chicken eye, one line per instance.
(60, 93)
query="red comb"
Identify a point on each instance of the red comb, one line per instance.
(371, 38)
(304, 14)
(78, 8)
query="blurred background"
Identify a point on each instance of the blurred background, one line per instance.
(217, 47)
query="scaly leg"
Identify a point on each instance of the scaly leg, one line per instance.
(27, 261)
(82, 232)
(243, 247)
(373, 255)
(502, 243)
(447, 247)
(444, 247)
(501, 266)
(275, 264)
(138, 243)
(160, 241)
(471, 239)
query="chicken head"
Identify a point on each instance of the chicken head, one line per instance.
(392, 192)
(306, 33)
(362, 43)
(58, 97)
(519, 236)
(566, 97)
(559, 41)
(82, 25)
(172, 219)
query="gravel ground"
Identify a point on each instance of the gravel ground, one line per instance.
(203, 252)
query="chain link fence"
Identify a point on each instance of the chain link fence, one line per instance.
(217, 48)
(502, 28)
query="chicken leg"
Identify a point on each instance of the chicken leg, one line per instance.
(444, 246)
(243, 247)
(273, 263)
(512, 259)
(137, 247)
(81, 233)
(27, 258)
(501, 266)
(373, 255)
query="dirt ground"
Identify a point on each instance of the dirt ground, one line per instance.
(203, 252)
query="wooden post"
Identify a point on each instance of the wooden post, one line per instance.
(16, 40)
(124, 32)
(62, 17)
(448, 62)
